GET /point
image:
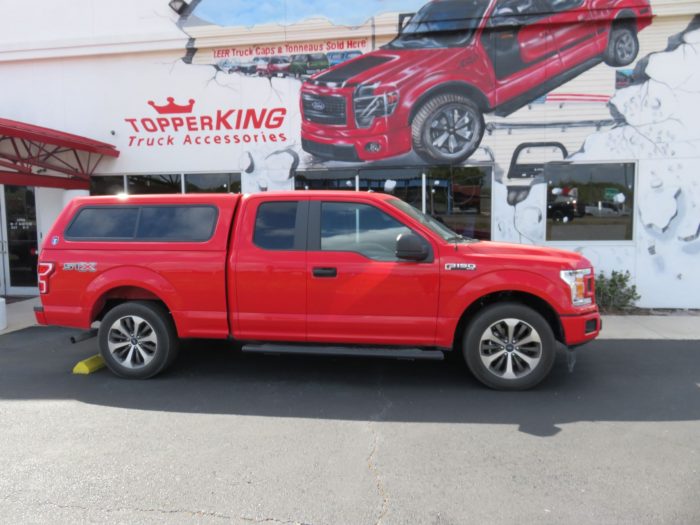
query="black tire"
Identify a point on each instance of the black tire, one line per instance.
(437, 139)
(508, 368)
(151, 326)
(623, 46)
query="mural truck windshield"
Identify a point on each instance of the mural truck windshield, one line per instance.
(441, 24)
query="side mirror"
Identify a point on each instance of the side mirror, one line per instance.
(411, 247)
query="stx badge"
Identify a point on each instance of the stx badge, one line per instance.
(80, 266)
(460, 266)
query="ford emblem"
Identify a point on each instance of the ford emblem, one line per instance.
(318, 105)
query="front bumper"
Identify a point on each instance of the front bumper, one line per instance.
(580, 329)
(337, 143)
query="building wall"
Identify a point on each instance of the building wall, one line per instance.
(109, 75)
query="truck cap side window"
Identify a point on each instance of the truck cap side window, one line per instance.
(103, 223)
(167, 223)
(176, 223)
(360, 228)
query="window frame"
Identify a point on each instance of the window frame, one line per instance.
(134, 238)
(314, 229)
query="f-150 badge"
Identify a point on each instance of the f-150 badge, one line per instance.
(80, 266)
(460, 266)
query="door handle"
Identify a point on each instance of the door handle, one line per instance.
(325, 272)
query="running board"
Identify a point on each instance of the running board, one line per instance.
(358, 351)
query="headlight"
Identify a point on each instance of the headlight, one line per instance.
(368, 105)
(580, 283)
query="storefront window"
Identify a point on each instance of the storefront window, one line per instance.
(404, 183)
(460, 197)
(213, 183)
(145, 184)
(108, 185)
(589, 202)
(325, 180)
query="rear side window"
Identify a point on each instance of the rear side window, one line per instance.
(144, 223)
(104, 223)
(176, 223)
(275, 225)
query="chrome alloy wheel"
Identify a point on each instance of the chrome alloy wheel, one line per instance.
(510, 348)
(452, 130)
(132, 341)
(625, 47)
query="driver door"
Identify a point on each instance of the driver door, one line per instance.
(358, 291)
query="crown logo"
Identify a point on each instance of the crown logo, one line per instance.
(171, 108)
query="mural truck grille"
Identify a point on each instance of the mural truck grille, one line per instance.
(324, 109)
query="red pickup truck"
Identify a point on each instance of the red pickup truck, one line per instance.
(338, 268)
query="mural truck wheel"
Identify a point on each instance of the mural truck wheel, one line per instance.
(623, 47)
(447, 129)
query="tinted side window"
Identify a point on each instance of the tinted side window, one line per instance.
(103, 223)
(275, 225)
(360, 228)
(176, 223)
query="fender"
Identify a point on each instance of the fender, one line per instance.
(505, 280)
(134, 276)
(444, 82)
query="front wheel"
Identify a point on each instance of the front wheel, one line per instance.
(137, 339)
(509, 346)
(447, 129)
(623, 47)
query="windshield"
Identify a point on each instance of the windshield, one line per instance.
(429, 222)
(442, 23)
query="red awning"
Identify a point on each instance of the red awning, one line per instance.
(37, 156)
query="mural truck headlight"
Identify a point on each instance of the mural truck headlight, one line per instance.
(368, 104)
(581, 284)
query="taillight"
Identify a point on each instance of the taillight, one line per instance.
(44, 269)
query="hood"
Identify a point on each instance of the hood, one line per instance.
(389, 66)
(521, 252)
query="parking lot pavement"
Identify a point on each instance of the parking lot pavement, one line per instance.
(227, 437)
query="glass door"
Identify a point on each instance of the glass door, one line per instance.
(19, 240)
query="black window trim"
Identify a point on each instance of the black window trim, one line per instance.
(314, 232)
(133, 237)
(300, 230)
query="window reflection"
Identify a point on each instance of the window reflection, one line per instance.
(213, 183)
(589, 201)
(149, 184)
(461, 198)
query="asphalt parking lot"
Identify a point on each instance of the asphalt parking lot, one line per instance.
(228, 437)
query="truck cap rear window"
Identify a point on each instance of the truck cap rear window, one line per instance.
(179, 223)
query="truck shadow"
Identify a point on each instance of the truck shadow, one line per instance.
(612, 381)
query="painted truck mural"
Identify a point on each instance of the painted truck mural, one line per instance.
(455, 60)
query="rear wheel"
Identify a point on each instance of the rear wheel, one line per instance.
(137, 339)
(509, 346)
(623, 47)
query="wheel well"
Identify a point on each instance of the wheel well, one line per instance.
(534, 302)
(120, 295)
(625, 18)
(457, 88)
